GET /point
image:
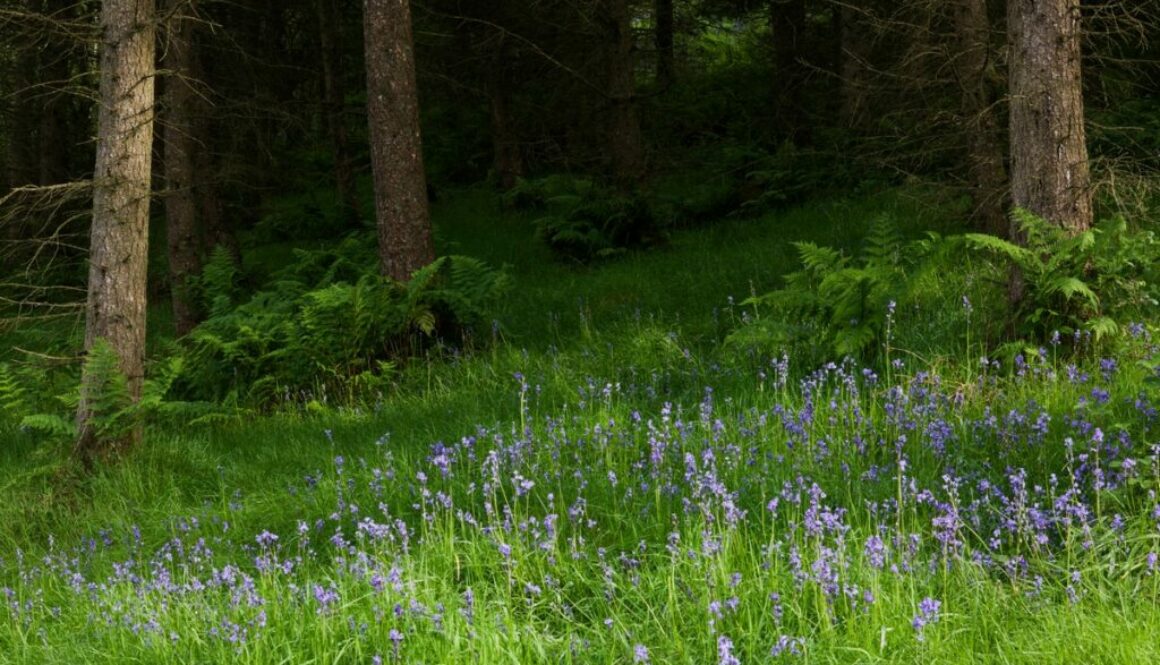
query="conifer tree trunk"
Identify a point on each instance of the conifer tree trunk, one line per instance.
(115, 309)
(22, 162)
(334, 102)
(854, 47)
(500, 78)
(624, 139)
(986, 173)
(787, 21)
(1050, 175)
(55, 72)
(396, 145)
(509, 160)
(663, 36)
(178, 132)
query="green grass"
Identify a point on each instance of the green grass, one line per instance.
(602, 350)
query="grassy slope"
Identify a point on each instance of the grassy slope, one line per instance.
(652, 322)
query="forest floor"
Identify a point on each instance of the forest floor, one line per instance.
(613, 482)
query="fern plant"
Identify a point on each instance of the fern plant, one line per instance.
(841, 302)
(1083, 282)
(294, 339)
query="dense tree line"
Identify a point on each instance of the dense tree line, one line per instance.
(254, 97)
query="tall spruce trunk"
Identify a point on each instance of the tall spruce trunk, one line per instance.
(853, 67)
(624, 135)
(118, 251)
(787, 22)
(663, 37)
(396, 145)
(508, 158)
(1050, 175)
(184, 248)
(334, 103)
(23, 164)
(985, 170)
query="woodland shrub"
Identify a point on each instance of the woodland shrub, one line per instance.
(583, 221)
(1092, 282)
(329, 327)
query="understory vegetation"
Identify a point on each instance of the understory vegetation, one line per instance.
(769, 439)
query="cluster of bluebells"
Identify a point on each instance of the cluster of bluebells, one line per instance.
(973, 475)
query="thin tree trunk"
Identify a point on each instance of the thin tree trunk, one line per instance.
(118, 252)
(624, 138)
(985, 169)
(334, 102)
(54, 102)
(1050, 175)
(396, 144)
(180, 204)
(854, 56)
(509, 160)
(666, 60)
(787, 21)
(23, 165)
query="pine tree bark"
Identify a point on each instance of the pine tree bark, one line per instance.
(184, 248)
(23, 164)
(499, 74)
(663, 37)
(396, 143)
(118, 251)
(985, 170)
(509, 159)
(854, 46)
(624, 135)
(56, 74)
(787, 22)
(334, 100)
(1050, 175)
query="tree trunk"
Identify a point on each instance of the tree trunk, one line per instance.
(1050, 176)
(787, 22)
(23, 164)
(855, 45)
(334, 102)
(396, 144)
(509, 160)
(624, 136)
(985, 170)
(666, 61)
(178, 133)
(118, 252)
(56, 74)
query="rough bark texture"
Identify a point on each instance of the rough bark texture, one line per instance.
(396, 146)
(23, 164)
(509, 159)
(663, 37)
(499, 63)
(624, 136)
(119, 240)
(855, 44)
(184, 248)
(787, 21)
(986, 172)
(333, 101)
(1050, 176)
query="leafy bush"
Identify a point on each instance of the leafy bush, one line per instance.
(34, 405)
(584, 221)
(837, 302)
(1091, 282)
(314, 331)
